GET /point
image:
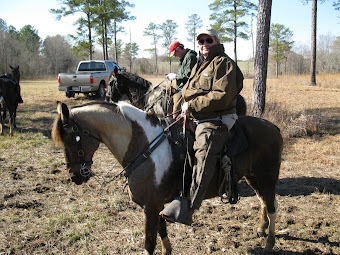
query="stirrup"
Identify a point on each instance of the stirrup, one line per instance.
(178, 211)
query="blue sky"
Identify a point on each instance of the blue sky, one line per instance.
(290, 13)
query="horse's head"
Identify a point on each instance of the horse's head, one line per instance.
(113, 93)
(15, 73)
(78, 144)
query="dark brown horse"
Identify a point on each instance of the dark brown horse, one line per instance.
(155, 179)
(10, 97)
(154, 98)
(127, 86)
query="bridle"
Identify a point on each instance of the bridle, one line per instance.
(85, 166)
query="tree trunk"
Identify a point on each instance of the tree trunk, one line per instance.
(90, 34)
(313, 45)
(252, 38)
(106, 46)
(261, 57)
(115, 36)
(235, 34)
(103, 42)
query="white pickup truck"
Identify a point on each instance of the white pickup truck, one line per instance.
(91, 76)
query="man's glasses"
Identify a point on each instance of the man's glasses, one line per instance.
(208, 40)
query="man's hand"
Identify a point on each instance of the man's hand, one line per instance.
(171, 76)
(185, 110)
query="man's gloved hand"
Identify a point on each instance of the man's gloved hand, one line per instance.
(185, 108)
(171, 76)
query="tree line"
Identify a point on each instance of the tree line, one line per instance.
(101, 25)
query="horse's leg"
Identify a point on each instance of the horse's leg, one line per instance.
(1, 122)
(266, 194)
(151, 228)
(272, 212)
(11, 121)
(15, 116)
(166, 246)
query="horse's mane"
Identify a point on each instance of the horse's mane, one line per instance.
(95, 103)
(135, 81)
(57, 125)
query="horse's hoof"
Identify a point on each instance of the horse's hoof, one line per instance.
(270, 244)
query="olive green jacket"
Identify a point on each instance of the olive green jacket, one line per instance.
(186, 64)
(213, 86)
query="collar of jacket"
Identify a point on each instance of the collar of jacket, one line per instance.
(188, 51)
(216, 50)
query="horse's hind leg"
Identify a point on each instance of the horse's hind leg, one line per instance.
(11, 123)
(151, 228)
(266, 195)
(166, 247)
(1, 123)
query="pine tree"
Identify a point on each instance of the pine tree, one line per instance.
(280, 44)
(193, 24)
(152, 31)
(228, 16)
(85, 24)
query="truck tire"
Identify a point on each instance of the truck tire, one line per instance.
(101, 93)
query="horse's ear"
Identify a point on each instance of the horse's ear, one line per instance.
(11, 67)
(63, 111)
(115, 71)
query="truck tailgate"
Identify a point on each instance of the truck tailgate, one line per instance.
(74, 80)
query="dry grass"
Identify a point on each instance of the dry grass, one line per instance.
(299, 109)
(41, 212)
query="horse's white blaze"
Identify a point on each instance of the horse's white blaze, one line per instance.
(161, 156)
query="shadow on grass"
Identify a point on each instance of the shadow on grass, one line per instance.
(41, 125)
(301, 186)
(308, 251)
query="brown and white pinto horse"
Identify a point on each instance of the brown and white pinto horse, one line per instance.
(127, 132)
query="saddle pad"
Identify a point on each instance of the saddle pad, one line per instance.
(237, 141)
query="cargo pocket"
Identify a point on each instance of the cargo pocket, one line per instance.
(205, 81)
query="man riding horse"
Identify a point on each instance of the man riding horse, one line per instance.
(210, 101)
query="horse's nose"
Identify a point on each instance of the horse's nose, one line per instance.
(77, 179)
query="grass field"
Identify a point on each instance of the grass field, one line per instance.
(42, 212)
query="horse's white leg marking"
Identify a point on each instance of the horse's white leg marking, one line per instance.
(166, 247)
(267, 219)
(271, 232)
(162, 155)
(261, 230)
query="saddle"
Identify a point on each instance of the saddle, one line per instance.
(237, 143)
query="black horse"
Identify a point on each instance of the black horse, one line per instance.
(127, 86)
(142, 94)
(10, 97)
